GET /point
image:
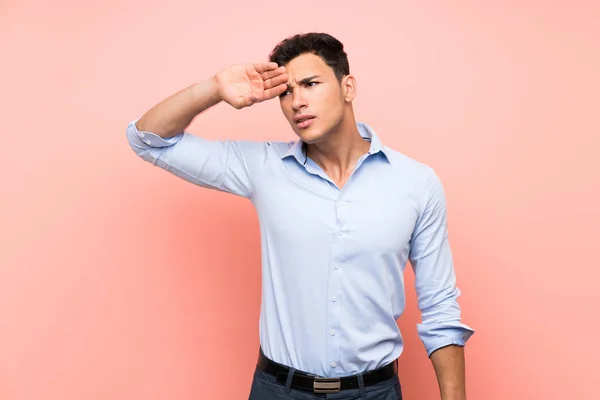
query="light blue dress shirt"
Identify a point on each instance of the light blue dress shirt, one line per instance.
(332, 260)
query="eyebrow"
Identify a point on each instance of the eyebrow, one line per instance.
(306, 80)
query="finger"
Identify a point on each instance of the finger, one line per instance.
(275, 81)
(272, 73)
(274, 92)
(264, 67)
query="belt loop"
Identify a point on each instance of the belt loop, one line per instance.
(361, 386)
(288, 382)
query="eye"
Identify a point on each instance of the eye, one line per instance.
(284, 93)
(312, 83)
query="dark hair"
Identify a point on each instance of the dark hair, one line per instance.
(323, 45)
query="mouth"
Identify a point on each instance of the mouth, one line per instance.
(303, 121)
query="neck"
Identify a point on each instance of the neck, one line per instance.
(339, 152)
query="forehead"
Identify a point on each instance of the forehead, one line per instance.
(306, 65)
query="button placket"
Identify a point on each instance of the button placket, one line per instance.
(335, 283)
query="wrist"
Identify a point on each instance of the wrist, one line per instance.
(453, 393)
(454, 397)
(205, 94)
(213, 88)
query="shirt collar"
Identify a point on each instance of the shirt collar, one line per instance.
(366, 132)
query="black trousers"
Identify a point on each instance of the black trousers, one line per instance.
(266, 387)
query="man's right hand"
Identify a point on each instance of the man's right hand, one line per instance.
(238, 85)
(243, 85)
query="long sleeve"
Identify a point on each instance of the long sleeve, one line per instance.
(435, 280)
(213, 164)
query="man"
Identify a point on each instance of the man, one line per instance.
(340, 216)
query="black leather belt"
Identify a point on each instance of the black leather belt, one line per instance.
(312, 383)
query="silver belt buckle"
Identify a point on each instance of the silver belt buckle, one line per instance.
(326, 385)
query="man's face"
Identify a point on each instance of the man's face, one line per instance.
(314, 103)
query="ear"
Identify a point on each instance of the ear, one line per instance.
(348, 88)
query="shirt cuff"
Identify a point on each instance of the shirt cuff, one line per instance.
(149, 139)
(436, 337)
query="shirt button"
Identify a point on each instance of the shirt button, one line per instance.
(332, 332)
(141, 135)
(340, 233)
(336, 267)
(148, 142)
(333, 298)
(333, 364)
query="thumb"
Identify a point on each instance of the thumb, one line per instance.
(256, 96)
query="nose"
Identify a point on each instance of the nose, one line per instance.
(298, 100)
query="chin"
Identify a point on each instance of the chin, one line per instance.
(310, 136)
(311, 139)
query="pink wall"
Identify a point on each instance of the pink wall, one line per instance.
(119, 281)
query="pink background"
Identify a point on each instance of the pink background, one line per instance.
(119, 281)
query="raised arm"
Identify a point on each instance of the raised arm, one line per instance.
(159, 136)
(239, 85)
